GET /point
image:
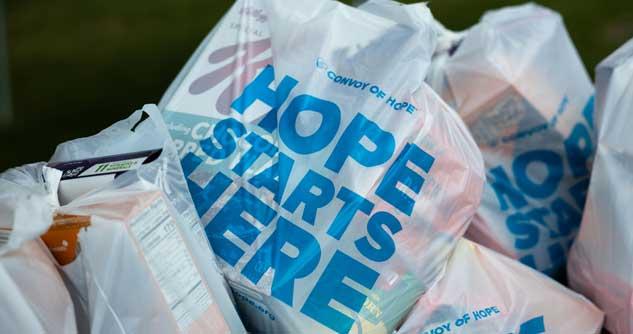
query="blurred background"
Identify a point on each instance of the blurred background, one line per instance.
(69, 68)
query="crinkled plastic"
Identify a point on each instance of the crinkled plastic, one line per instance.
(32, 293)
(600, 264)
(486, 292)
(25, 196)
(518, 83)
(332, 181)
(144, 265)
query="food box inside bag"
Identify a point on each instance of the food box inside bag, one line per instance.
(33, 296)
(82, 176)
(142, 264)
(600, 261)
(518, 83)
(332, 182)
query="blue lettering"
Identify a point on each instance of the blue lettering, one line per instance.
(579, 149)
(349, 145)
(259, 146)
(303, 194)
(330, 286)
(588, 111)
(224, 138)
(275, 177)
(533, 326)
(519, 225)
(287, 267)
(203, 198)
(259, 89)
(400, 173)
(503, 187)
(552, 161)
(230, 219)
(353, 203)
(381, 237)
(331, 119)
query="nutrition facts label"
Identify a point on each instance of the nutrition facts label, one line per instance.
(191, 217)
(171, 263)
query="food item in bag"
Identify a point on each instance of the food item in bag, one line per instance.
(32, 293)
(517, 81)
(81, 176)
(485, 292)
(333, 183)
(600, 264)
(143, 265)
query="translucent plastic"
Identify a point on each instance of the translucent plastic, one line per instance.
(486, 292)
(144, 265)
(518, 83)
(33, 297)
(333, 182)
(600, 261)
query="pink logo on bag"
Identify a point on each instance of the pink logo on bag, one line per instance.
(242, 70)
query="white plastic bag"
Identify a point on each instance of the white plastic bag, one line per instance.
(600, 260)
(486, 292)
(334, 184)
(520, 86)
(32, 293)
(144, 265)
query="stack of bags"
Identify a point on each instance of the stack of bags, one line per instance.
(254, 162)
(123, 250)
(316, 169)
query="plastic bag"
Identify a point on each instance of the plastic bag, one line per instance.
(600, 260)
(486, 292)
(334, 184)
(143, 264)
(32, 293)
(520, 86)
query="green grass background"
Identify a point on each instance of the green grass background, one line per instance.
(77, 66)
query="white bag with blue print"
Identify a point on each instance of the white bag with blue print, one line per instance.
(517, 81)
(332, 181)
(486, 292)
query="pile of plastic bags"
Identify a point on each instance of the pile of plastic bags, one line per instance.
(321, 168)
